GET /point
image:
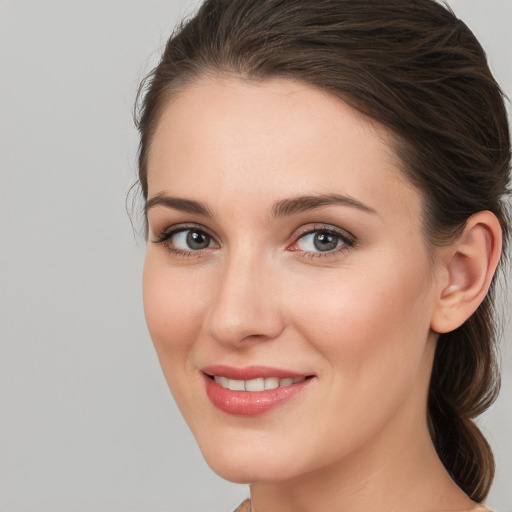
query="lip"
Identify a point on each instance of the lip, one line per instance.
(250, 403)
(250, 372)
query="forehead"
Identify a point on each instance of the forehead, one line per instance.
(225, 138)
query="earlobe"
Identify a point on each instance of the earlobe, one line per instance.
(469, 264)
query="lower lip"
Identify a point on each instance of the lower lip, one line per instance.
(251, 403)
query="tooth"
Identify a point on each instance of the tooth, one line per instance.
(222, 381)
(255, 385)
(258, 384)
(236, 385)
(271, 383)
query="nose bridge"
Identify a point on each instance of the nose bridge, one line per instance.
(244, 305)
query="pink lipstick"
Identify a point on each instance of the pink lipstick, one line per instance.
(251, 390)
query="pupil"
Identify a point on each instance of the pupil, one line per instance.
(325, 242)
(196, 240)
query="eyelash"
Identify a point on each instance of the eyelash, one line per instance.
(347, 240)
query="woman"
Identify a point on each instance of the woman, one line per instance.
(324, 188)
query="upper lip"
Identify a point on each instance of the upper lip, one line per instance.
(250, 372)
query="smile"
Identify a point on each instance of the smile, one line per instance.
(253, 390)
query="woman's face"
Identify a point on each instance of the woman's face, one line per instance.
(285, 249)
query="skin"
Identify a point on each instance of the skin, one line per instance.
(358, 318)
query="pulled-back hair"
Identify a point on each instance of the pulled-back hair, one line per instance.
(418, 70)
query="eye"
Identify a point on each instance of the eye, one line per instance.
(184, 241)
(323, 240)
(319, 241)
(191, 239)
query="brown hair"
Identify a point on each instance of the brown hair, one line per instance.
(418, 70)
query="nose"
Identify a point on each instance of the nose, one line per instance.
(245, 306)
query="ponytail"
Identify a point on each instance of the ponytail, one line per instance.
(465, 382)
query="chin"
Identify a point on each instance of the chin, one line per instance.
(247, 473)
(250, 464)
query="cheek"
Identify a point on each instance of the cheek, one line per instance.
(373, 323)
(173, 310)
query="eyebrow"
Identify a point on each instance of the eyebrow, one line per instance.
(282, 208)
(300, 204)
(178, 203)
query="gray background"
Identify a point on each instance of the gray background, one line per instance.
(87, 423)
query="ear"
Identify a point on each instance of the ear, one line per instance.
(467, 267)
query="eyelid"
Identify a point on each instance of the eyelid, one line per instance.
(164, 234)
(329, 228)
